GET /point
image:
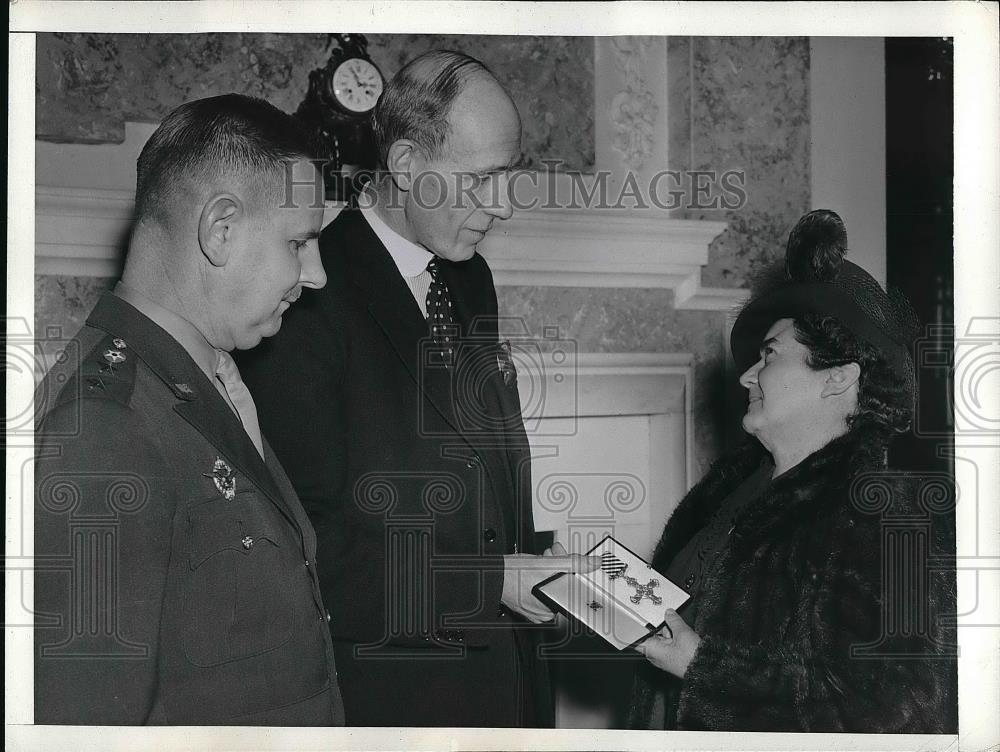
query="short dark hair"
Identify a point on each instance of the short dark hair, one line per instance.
(235, 134)
(416, 102)
(885, 391)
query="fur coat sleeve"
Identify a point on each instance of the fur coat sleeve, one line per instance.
(825, 611)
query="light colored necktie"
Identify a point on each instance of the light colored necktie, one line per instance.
(240, 397)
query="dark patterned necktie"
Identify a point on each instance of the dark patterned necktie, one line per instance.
(440, 317)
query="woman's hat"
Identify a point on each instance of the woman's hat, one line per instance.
(818, 279)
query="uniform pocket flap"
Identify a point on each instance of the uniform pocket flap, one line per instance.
(238, 525)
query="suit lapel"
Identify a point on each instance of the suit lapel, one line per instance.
(199, 403)
(391, 305)
(480, 391)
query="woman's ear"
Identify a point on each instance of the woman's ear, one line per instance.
(401, 160)
(217, 227)
(841, 378)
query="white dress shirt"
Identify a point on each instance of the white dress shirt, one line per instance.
(410, 258)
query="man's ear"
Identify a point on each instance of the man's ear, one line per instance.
(401, 161)
(216, 227)
(841, 378)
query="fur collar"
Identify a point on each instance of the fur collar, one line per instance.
(816, 486)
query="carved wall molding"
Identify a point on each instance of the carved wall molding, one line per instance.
(633, 109)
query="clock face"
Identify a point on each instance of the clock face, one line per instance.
(357, 85)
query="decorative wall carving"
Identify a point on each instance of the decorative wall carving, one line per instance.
(633, 109)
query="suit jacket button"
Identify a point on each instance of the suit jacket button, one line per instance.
(489, 535)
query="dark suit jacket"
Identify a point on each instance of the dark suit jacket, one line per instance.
(417, 479)
(159, 600)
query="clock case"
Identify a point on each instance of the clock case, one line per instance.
(345, 138)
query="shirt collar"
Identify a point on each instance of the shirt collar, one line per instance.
(187, 334)
(410, 258)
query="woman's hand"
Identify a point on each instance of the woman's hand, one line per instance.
(671, 654)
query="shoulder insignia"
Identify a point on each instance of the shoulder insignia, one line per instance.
(108, 371)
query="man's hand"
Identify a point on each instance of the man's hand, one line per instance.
(671, 653)
(521, 572)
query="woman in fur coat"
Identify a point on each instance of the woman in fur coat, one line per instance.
(814, 602)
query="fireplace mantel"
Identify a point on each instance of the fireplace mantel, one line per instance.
(84, 204)
(82, 232)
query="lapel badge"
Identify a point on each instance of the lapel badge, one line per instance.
(114, 357)
(506, 364)
(184, 391)
(224, 478)
(119, 343)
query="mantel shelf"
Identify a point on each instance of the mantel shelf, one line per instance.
(82, 231)
(82, 226)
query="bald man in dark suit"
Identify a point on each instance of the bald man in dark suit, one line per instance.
(394, 407)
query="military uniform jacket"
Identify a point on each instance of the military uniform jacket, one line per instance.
(416, 478)
(176, 579)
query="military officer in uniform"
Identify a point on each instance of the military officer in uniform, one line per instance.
(395, 409)
(176, 579)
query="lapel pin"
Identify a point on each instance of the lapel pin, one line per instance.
(114, 356)
(119, 343)
(184, 391)
(506, 364)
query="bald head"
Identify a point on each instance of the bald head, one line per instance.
(419, 103)
(448, 136)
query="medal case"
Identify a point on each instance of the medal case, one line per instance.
(623, 601)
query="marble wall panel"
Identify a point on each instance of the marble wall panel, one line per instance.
(88, 85)
(62, 304)
(742, 103)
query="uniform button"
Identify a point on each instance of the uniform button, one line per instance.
(489, 535)
(473, 462)
(689, 581)
(501, 611)
(307, 562)
(328, 618)
(460, 635)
